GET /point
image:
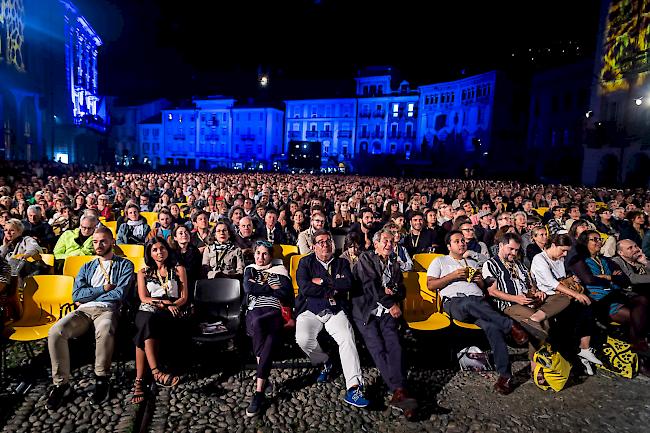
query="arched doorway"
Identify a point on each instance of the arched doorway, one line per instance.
(608, 170)
(638, 170)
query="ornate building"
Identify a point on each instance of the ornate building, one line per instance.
(49, 105)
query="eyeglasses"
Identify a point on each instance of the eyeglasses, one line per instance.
(323, 243)
(87, 228)
(598, 240)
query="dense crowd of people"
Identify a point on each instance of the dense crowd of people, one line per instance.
(513, 258)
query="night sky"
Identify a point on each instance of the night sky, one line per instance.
(179, 49)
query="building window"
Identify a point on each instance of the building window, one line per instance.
(170, 116)
(295, 127)
(380, 90)
(409, 129)
(395, 110)
(155, 132)
(411, 108)
(145, 132)
(393, 148)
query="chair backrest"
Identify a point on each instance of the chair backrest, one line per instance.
(218, 297)
(73, 264)
(151, 217)
(415, 307)
(285, 252)
(48, 259)
(293, 268)
(138, 263)
(51, 292)
(112, 226)
(425, 259)
(541, 211)
(339, 242)
(129, 250)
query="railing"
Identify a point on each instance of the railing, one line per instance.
(295, 134)
(379, 134)
(179, 137)
(250, 137)
(312, 134)
(326, 134)
(394, 135)
(364, 114)
(364, 134)
(212, 137)
(379, 113)
(345, 134)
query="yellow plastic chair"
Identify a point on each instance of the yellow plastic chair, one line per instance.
(151, 217)
(293, 268)
(601, 204)
(102, 219)
(466, 325)
(138, 263)
(46, 298)
(420, 314)
(112, 226)
(48, 259)
(429, 296)
(541, 210)
(129, 250)
(73, 264)
(423, 260)
(285, 252)
(603, 236)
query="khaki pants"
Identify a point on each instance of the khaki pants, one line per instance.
(552, 306)
(74, 325)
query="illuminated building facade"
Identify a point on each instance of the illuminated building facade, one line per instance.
(617, 122)
(215, 133)
(49, 105)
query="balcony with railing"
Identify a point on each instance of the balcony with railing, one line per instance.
(312, 134)
(379, 113)
(378, 134)
(394, 135)
(365, 113)
(325, 134)
(246, 137)
(178, 136)
(364, 134)
(295, 134)
(345, 134)
(211, 137)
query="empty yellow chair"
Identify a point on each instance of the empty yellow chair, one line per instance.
(46, 298)
(420, 314)
(293, 268)
(151, 217)
(138, 263)
(423, 260)
(73, 264)
(129, 250)
(285, 252)
(112, 226)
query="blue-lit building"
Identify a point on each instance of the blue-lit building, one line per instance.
(213, 132)
(125, 127)
(49, 102)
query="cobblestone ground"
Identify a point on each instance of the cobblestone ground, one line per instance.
(215, 401)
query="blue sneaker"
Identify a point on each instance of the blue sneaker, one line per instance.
(325, 372)
(355, 397)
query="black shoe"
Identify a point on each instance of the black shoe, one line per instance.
(256, 404)
(58, 393)
(102, 389)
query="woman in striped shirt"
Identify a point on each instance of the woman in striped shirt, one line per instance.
(266, 288)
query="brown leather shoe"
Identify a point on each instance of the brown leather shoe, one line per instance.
(503, 385)
(403, 402)
(518, 334)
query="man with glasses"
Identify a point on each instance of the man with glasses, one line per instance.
(77, 242)
(504, 219)
(476, 250)
(376, 312)
(305, 237)
(323, 285)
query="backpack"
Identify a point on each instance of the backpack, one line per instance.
(618, 358)
(552, 370)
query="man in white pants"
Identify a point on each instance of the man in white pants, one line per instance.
(323, 284)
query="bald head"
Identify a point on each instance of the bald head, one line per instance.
(628, 249)
(246, 226)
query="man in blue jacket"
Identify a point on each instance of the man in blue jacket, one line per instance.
(323, 285)
(99, 289)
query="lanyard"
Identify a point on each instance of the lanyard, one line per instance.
(107, 273)
(164, 283)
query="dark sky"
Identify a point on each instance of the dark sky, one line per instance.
(177, 49)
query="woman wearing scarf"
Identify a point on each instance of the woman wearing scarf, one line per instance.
(16, 249)
(135, 229)
(222, 258)
(266, 287)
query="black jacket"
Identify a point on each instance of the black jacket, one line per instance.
(278, 234)
(315, 297)
(368, 271)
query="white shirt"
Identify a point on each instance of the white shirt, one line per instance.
(445, 265)
(545, 272)
(99, 280)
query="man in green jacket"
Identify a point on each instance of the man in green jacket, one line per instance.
(77, 242)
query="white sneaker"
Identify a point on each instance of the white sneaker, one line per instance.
(589, 355)
(588, 369)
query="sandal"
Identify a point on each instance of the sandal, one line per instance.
(138, 392)
(165, 379)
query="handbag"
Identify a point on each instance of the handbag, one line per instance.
(287, 317)
(474, 359)
(618, 358)
(551, 369)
